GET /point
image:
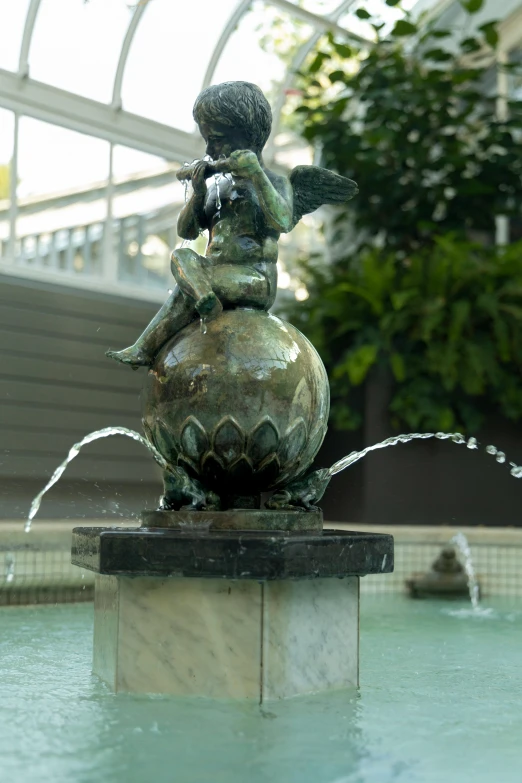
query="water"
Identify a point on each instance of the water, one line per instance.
(463, 546)
(186, 182)
(439, 701)
(343, 463)
(9, 567)
(75, 450)
(217, 179)
(455, 437)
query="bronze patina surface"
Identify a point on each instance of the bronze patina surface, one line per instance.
(243, 408)
(235, 519)
(237, 400)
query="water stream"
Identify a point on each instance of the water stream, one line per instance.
(337, 467)
(455, 437)
(75, 450)
(217, 178)
(462, 545)
(9, 567)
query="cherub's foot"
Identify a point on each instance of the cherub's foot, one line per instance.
(133, 356)
(209, 306)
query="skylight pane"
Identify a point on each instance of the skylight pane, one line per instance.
(261, 47)
(12, 23)
(76, 45)
(169, 57)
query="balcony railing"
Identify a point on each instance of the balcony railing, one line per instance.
(132, 253)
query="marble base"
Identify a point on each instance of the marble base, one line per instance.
(222, 638)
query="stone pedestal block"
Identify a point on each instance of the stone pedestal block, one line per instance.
(223, 638)
(191, 610)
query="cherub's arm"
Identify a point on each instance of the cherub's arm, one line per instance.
(192, 218)
(276, 203)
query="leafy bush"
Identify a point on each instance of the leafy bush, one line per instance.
(447, 324)
(414, 120)
(433, 300)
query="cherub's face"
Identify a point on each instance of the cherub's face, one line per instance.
(222, 140)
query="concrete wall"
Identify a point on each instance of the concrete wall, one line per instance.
(56, 385)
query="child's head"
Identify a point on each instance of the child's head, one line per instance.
(238, 106)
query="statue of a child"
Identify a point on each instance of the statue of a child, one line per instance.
(245, 214)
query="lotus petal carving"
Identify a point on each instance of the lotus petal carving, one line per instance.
(194, 439)
(229, 440)
(263, 441)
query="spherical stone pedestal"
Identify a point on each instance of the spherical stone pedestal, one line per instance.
(243, 407)
(259, 615)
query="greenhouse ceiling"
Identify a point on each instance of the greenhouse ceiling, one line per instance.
(129, 72)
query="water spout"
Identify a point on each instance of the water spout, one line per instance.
(75, 450)
(9, 567)
(217, 178)
(462, 544)
(455, 437)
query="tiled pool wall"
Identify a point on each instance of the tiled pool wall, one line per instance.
(36, 567)
(497, 557)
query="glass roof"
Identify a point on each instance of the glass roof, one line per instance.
(12, 22)
(169, 57)
(250, 53)
(76, 45)
(151, 58)
(96, 104)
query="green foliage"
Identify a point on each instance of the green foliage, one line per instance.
(446, 323)
(414, 121)
(433, 302)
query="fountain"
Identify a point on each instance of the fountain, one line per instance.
(231, 588)
(446, 578)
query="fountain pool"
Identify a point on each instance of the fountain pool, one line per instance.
(440, 701)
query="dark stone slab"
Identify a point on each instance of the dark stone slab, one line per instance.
(234, 519)
(231, 555)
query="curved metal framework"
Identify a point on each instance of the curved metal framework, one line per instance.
(124, 54)
(30, 21)
(319, 22)
(71, 114)
(25, 96)
(241, 10)
(296, 63)
(323, 23)
(67, 104)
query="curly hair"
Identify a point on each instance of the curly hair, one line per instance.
(241, 105)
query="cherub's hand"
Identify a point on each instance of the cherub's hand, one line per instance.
(198, 178)
(244, 163)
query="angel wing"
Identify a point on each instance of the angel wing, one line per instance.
(314, 186)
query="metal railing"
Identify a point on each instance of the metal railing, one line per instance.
(133, 251)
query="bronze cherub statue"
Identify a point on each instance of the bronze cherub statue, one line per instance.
(245, 212)
(240, 406)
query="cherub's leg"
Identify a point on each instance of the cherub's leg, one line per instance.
(245, 286)
(177, 312)
(192, 275)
